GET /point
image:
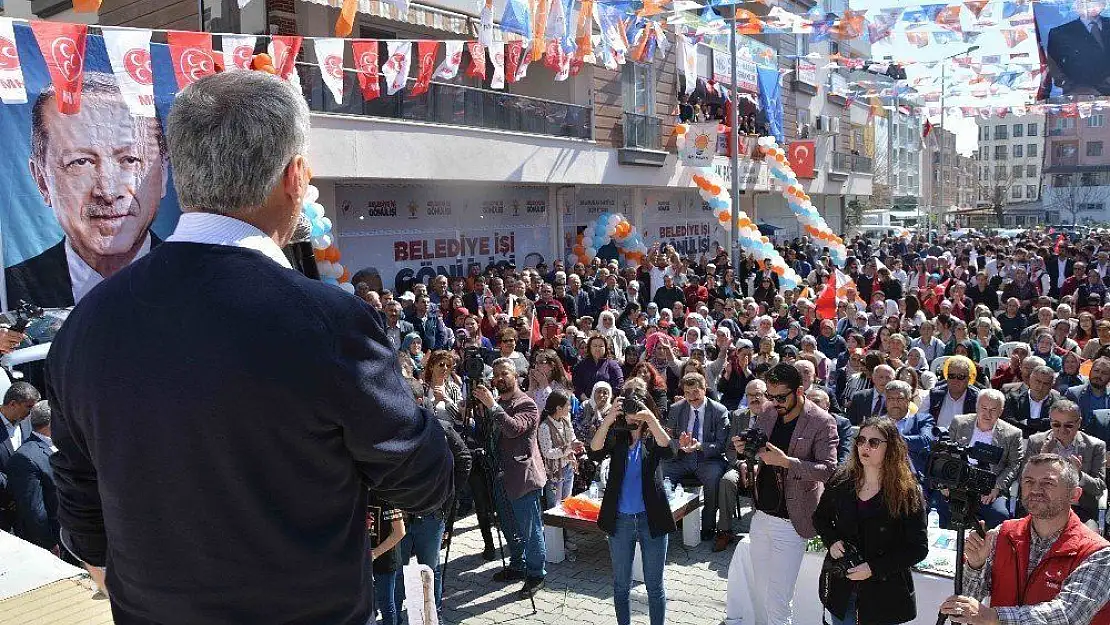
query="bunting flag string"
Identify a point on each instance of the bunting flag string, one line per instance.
(129, 54)
(63, 50)
(12, 88)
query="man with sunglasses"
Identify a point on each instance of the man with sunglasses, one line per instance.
(799, 458)
(955, 397)
(1085, 452)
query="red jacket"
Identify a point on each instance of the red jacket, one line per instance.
(1011, 559)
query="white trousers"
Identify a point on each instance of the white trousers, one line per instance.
(777, 552)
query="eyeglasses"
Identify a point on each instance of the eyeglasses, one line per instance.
(957, 376)
(778, 399)
(873, 443)
(1056, 425)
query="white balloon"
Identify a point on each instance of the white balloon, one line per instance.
(348, 287)
(327, 224)
(311, 194)
(322, 242)
(324, 267)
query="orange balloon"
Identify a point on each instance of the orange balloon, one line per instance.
(346, 277)
(723, 218)
(778, 270)
(332, 254)
(320, 254)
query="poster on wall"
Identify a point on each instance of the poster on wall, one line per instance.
(84, 193)
(589, 202)
(751, 54)
(680, 219)
(404, 233)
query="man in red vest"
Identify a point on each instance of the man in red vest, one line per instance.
(1045, 568)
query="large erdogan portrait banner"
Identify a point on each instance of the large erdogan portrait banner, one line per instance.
(86, 184)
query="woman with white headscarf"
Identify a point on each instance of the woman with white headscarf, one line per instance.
(594, 409)
(607, 327)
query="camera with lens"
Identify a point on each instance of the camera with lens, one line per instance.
(631, 402)
(850, 560)
(474, 366)
(754, 442)
(25, 313)
(960, 469)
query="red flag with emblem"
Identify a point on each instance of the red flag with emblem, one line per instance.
(192, 56)
(426, 53)
(63, 49)
(366, 64)
(284, 49)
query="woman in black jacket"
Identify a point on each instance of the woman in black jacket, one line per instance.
(635, 507)
(873, 513)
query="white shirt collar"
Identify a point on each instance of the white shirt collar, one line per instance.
(82, 277)
(218, 229)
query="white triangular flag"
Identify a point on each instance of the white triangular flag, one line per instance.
(522, 71)
(497, 56)
(329, 56)
(564, 68)
(396, 67)
(238, 50)
(12, 89)
(129, 53)
(449, 67)
(485, 26)
(687, 61)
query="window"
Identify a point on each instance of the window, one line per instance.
(1015, 193)
(1019, 130)
(1019, 150)
(986, 154)
(1061, 180)
(1096, 121)
(1031, 130)
(1000, 152)
(1001, 132)
(1090, 179)
(1030, 191)
(639, 89)
(999, 172)
(1063, 123)
(1090, 206)
(1094, 148)
(1031, 150)
(1016, 171)
(1064, 150)
(1030, 171)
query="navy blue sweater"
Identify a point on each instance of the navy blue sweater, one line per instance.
(218, 420)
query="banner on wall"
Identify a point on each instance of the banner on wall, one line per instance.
(51, 220)
(413, 232)
(751, 54)
(700, 146)
(683, 220)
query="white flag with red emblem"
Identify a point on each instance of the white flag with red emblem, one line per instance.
(129, 53)
(522, 71)
(452, 59)
(497, 56)
(329, 55)
(12, 89)
(396, 67)
(238, 50)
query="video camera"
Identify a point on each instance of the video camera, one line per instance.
(25, 313)
(754, 442)
(474, 366)
(950, 467)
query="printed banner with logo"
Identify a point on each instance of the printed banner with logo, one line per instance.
(700, 146)
(61, 209)
(407, 232)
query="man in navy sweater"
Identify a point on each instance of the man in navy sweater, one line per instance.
(218, 416)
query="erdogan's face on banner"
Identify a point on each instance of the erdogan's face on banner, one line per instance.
(102, 171)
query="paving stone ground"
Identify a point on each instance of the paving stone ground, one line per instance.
(581, 591)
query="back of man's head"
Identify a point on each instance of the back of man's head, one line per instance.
(40, 416)
(21, 392)
(231, 137)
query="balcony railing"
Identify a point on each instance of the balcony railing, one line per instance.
(452, 104)
(1065, 161)
(841, 162)
(860, 164)
(643, 132)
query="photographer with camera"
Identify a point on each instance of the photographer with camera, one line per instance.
(986, 427)
(872, 519)
(516, 420)
(1045, 568)
(737, 473)
(797, 455)
(635, 507)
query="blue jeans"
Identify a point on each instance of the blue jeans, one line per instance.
(422, 539)
(993, 515)
(558, 488)
(522, 523)
(631, 529)
(384, 589)
(849, 613)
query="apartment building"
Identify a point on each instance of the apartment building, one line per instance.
(1010, 154)
(1077, 169)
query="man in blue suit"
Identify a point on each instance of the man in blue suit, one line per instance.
(1092, 396)
(32, 483)
(18, 401)
(219, 417)
(916, 428)
(699, 428)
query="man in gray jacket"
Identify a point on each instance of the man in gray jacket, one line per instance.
(522, 478)
(1086, 452)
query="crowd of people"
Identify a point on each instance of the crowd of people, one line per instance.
(1005, 343)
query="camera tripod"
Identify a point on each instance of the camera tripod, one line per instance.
(490, 471)
(964, 516)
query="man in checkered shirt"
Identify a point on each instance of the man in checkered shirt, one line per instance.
(1045, 569)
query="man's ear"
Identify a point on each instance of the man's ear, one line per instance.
(295, 178)
(39, 176)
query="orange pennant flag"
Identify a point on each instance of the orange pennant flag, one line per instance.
(539, 27)
(86, 6)
(585, 28)
(345, 25)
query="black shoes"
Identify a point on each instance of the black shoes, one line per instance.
(506, 576)
(489, 554)
(532, 585)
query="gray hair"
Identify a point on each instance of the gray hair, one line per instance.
(231, 136)
(991, 394)
(40, 415)
(1069, 475)
(21, 392)
(1042, 370)
(1068, 407)
(1034, 362)
(900, 387)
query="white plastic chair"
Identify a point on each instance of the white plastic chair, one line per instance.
(1005, 349)
(938, 366)
(991, 364)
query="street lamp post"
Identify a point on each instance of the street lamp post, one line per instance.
(943, 115)
(734, 156)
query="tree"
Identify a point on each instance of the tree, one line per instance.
(994, 190)
(853, 216)
(1073, 193)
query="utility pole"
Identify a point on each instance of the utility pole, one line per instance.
(734, 156)
(943, 113)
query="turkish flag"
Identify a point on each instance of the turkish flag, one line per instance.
(802, 158)
(366, 64)
(192, 56)
(63, 49)
(426, 52)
